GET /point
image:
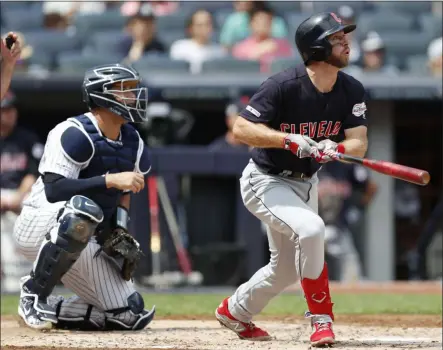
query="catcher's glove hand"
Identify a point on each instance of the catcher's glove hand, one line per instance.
(121, 244)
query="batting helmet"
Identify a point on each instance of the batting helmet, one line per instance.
(311, 36)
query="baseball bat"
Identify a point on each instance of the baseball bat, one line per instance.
(155, 230)
(402, 172)
(182, 254)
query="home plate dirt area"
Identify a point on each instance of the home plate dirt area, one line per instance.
(203, 332)
(207, 334)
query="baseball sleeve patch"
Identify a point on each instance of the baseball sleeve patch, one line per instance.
(253, 111)
(359, 109)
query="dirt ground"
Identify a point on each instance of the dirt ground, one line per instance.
(207, 334)
(365, 332)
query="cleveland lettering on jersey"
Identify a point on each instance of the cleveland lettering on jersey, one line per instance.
(288, 101)
(324, 129)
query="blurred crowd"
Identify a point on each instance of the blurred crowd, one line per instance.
(391, 37)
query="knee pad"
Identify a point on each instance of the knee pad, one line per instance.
(77, 316)
(117, 318)
(77, 223)
(86, 208)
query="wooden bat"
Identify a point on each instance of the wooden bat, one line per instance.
(182, 254)
(402, 172)
(155, 229)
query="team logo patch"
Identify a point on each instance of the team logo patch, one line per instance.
(359, 109)
(253, 111)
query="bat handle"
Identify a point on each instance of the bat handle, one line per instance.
(347, 158)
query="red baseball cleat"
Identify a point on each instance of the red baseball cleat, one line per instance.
(322, 333)
(244, 330)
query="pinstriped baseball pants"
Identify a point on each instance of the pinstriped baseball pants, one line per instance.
(95, 281)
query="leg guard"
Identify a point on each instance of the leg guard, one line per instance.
(317, 294)
(74, 313)
(77, 223)
(131, 317)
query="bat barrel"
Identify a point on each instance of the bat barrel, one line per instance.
(402, 172)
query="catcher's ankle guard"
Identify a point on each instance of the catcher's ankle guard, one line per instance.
(136, 308)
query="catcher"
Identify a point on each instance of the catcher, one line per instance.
(74, 224)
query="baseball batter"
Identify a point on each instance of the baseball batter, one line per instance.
(74, 224)
(295, 122)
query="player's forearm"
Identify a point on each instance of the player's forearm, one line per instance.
(6, 75)
(355, 147)
(125, 201)
(59, 188)
(257, 135)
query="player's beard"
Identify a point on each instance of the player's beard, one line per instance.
(338, 61)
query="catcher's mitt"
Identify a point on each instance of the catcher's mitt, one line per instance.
(121, 244)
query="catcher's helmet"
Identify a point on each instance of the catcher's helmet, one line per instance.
(100, 90)
(311, 36)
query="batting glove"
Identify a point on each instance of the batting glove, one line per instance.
(301, 146)
(328, 150)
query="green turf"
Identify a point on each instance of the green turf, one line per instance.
(286, 304)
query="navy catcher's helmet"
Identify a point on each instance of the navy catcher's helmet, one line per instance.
(100, 90)
(312, 34)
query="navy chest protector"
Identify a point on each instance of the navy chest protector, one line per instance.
(109, 157)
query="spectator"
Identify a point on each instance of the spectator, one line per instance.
(347, 14)
(70, 8)
(20, 153)
(159, 8)
(435, 57)
(198, 47)
(261, 45)
(8, 60)
(58, 14)
(143, 38)
(437, 8)
(227, 140)
(236, 26)
(55, 21)
(374, 56)
(27, 51)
